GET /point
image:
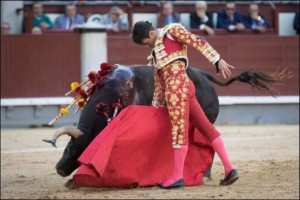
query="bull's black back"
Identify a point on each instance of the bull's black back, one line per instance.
(134, 85)
(205, 93)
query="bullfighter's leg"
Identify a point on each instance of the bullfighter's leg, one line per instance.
(176, 95)
(201, 122)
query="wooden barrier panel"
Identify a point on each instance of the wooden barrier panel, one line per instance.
(45, 65)
(39, 65)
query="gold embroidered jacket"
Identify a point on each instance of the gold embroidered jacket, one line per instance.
(171, 44)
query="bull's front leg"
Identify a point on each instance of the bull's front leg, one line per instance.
(70, 184)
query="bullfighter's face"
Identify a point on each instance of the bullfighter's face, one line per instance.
(149, 42)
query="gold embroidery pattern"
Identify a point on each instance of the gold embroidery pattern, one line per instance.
(176, 84)
(186, 37)
(161, 55)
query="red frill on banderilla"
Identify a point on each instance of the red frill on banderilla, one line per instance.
(95, 79)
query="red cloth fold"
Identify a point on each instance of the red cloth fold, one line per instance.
(136, 149)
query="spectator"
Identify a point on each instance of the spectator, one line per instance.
(168, 15)
(296, 23)
(40, 19)
(116, 20)
(201, 19)
(229, 18)
(70, 19)
(36, 31)
(5, 28)
(253, 20)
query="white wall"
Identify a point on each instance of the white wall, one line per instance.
(93, 51)
(8, 14)
(150, 17)
(286, 22)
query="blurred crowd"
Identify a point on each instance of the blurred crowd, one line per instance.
(228, 18)
(201, 18)
(115, 20)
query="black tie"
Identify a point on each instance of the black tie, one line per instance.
(70, 24)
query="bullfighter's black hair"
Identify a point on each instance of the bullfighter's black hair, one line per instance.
(141, 31)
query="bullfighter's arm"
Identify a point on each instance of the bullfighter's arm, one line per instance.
(180, 34)
(159, 92)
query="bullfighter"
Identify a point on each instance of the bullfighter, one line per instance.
(174, 88)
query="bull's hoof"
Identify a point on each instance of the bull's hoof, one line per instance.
(70, 184)
(206, 180)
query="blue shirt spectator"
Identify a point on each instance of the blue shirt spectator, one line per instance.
(69, 20)
(253, 20)
(168, 15)
(230, 19)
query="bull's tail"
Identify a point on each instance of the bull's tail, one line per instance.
(256, 79)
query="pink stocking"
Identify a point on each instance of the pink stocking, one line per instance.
(179, 158)
(219, 147)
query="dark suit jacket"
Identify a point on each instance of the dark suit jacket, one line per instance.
(248, 21)
(223, 20)
(195, 21)
(175, 19)
(296, 22)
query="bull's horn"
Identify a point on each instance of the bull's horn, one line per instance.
(71, 131)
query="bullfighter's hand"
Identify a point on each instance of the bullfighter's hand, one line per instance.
(156, 104)
(225, 68)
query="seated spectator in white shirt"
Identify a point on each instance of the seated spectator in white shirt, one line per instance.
(201, 19)
(116, 20)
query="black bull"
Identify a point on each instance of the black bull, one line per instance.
(134, 86)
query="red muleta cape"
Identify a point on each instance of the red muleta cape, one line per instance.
(136, 149)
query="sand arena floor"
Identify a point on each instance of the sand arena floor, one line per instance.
(267, 158)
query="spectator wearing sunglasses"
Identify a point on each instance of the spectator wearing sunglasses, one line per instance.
(229, 18)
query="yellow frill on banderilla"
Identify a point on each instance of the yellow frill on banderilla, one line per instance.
(78, 100)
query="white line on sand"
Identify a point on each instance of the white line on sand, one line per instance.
(36, 150)
(32, 150)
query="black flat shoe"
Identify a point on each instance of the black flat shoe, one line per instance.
(177, 184)
(230, 178)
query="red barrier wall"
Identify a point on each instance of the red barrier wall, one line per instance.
(45, 65)
(39, 65)
(263, 53)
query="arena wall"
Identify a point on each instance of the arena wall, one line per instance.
(36, 70)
